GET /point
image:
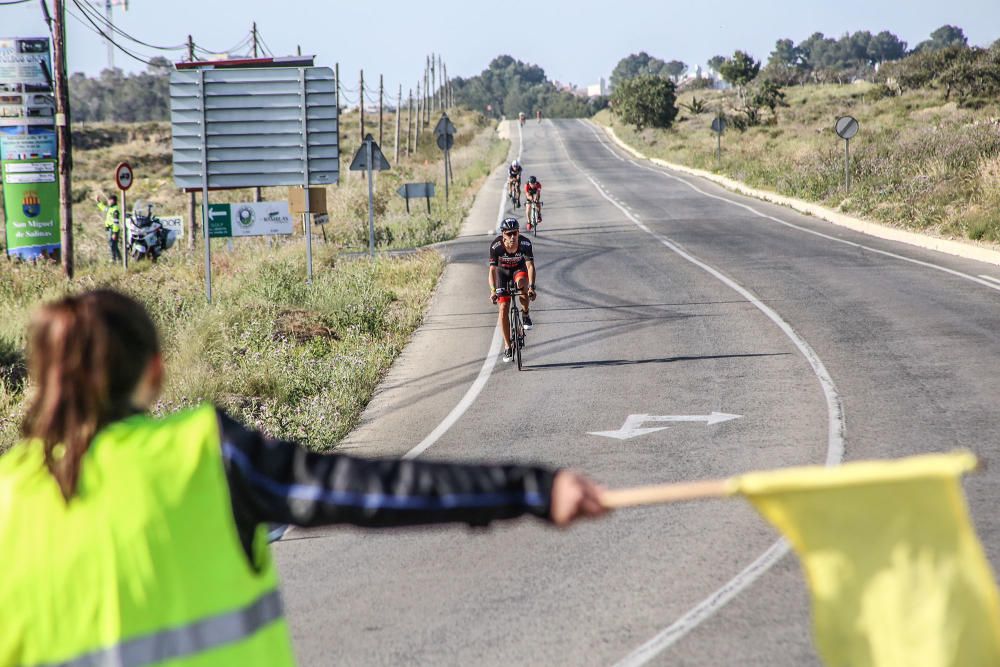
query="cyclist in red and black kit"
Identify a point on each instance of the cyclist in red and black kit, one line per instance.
(511, 261)
(533, 193)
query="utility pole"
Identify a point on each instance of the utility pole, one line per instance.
(433, 88)
(399, 110)
(438, 87)
(361, 103)
(253, 34)
(427, 98)
(409, 119)
(444, 85)
(192, 204)
(63, 136)
(419, 119)
(381, 97)
(336, 101)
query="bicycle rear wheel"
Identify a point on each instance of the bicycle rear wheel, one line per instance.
(516, 332)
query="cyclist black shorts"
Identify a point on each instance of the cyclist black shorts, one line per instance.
(507, 276)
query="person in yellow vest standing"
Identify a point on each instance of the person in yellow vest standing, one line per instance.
(112, 223)
(132, 540)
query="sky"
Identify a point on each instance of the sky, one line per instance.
(575, 41)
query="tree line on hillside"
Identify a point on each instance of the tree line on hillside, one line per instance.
(644, 91)
(508, 87)
(119, 97)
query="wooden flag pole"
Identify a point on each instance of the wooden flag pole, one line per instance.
(666, 493)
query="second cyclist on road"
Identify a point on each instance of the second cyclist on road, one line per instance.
(533, 195)
(514, 182)
(511, 262)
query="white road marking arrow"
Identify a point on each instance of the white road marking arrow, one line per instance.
(633, 424)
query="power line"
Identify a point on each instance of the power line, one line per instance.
(83, 6)
(14, 2)
(93, 26)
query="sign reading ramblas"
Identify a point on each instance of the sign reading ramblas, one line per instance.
(267, 218)
(28, 148)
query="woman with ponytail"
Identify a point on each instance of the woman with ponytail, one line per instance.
(130, 540)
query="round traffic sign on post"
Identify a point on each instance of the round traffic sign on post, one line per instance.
(123, 176)
(445, 141)
(718, 124)
(847, 127)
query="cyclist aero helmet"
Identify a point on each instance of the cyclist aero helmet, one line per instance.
(515, 163)
(532, 180)
(509, 224)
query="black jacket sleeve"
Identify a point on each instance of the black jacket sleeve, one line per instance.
(272, 481)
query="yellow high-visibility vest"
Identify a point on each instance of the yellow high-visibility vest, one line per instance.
(143, 565)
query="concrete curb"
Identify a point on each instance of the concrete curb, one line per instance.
(957, 248)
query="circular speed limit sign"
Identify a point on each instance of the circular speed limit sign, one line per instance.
(123, 175)
(846, 127)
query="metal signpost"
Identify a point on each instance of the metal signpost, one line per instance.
(123, 179)
(407, 190)
(846, 128)
(369, 158)
(445, 133)
(259, 127)
(718, 126)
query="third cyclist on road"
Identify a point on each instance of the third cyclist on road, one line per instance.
(511, 261)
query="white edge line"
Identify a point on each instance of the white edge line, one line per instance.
(488, 363)
(990, 278)
(834, 454)
(886, 253)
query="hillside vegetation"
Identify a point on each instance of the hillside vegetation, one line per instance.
(295, 360)
(918, 161)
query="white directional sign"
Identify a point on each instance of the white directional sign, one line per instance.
(175, 223)
(633, 425)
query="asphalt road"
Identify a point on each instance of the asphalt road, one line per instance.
(661, 295)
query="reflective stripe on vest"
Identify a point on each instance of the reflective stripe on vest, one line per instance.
(185, 641)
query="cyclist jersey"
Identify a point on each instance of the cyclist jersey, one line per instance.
(499, 256)
(514, 173)
(535, 189)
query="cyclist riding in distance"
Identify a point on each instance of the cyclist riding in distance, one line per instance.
(533, 193)
(514, 180)
(511, 261)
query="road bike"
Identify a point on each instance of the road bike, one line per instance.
(514, 319)
(533, 214)
(514, 191)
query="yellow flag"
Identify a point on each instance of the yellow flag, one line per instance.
(897, 575)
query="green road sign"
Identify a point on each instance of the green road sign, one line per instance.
(31, 207)
(220, 221)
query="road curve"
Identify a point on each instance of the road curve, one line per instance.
(654, 298)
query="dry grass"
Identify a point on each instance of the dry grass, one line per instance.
(917, 163)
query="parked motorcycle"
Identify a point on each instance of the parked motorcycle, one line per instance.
(147, 237)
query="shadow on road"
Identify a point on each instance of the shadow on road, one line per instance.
(655, 360)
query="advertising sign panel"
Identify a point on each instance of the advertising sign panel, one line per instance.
(267, 218)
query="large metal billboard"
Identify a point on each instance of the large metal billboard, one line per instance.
(238, 128)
